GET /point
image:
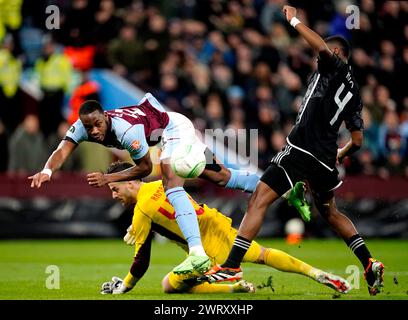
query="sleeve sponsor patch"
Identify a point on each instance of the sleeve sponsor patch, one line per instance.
(135, 144)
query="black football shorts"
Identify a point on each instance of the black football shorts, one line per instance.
(292, 165)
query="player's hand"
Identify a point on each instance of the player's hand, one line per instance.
(116, 286)
(96, 179)
(340, 157)
(38, 179)
(129, 238)
(289, 12)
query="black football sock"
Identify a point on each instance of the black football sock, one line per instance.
(240, 247)
(357, 245)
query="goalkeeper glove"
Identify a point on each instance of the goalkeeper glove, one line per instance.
(116, 286)
(129, 238)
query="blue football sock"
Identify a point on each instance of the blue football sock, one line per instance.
(243, 180)
(185, 215)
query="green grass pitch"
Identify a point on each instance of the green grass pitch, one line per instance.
(85, 264)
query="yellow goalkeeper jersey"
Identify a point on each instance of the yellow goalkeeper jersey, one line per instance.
(153, 212)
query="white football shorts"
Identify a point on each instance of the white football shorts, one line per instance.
(180, 130)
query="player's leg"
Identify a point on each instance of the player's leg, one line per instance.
(229, 178)
(286, 263)
(374, 270)
(186, 219)
(273, 179)
(173, 283)
(182, 130)
(244, 180)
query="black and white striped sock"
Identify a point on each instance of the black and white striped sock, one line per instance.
(240, 247)
(357, 245)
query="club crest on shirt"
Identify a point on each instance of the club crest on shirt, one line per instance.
(135, 144)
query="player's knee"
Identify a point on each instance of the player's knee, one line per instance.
(167, 288)
(172, 182)
(224, 176)
(216, 173)
(261, 257)
(326, 210)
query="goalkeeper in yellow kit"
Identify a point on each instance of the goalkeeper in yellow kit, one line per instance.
(154, 213)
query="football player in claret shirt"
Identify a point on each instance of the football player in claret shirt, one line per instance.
(135, 128)
(154, 213)
(311, 154)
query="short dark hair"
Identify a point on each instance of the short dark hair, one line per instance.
(342, 42)
(90, 106)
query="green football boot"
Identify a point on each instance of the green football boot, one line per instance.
(297, 199)
(193, 264)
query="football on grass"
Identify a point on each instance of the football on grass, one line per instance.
(188, 161)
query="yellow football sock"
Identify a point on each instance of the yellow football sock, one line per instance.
(285, 262)
(212, 288)
(130, 281)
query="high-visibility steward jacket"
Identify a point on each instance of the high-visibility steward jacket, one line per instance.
(10, 73)
(10, 12)
(55, 73)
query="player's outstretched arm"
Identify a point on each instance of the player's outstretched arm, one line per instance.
(142, 169)
(54, 162)
(312, 38)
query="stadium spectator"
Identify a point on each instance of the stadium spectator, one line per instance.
(10, 18)
(54, 71)
(11, 110)
(87, 90)
(338, 23)
(393, 149)
(4, 152)
(76, 34)
(286, 86)
(214, 112)
(126, 54)
(156, 44)
(79, 160)
(27, 137)
(366, 160)
(92, 157)
(78, 23)
(236, 97)
(106, 28)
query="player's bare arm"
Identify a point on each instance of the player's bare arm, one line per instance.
(142, 168)
(352, 146)
(315, 41)
(54, 162)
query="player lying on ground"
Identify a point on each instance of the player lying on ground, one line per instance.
(154, 213)
(136, 128)
(311, 154)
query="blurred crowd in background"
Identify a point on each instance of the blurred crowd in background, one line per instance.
(225, 64)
